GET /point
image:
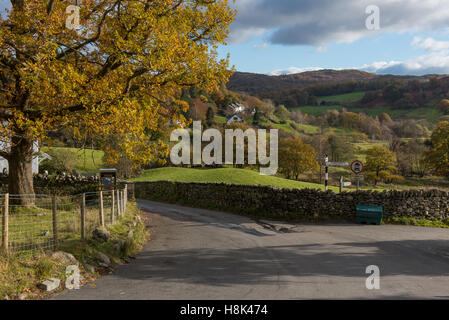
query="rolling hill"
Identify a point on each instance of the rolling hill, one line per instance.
(227, 175)
(255, 84)
(315, 92)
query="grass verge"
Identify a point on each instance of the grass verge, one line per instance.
(417, 222)
(20, 275)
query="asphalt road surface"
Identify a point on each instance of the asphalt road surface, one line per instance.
(202, 254)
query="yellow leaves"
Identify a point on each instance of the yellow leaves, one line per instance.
(438, 156)
(125, 81)
(296, 157)
(380, 159)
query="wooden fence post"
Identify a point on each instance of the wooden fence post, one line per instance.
(118, 204)
(101, 209)
(133, 191)
(5, 224)
(125, 198)
(83, 216)
(123, 202)
(55, 221)
(112, 206)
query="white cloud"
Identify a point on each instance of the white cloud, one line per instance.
(321, 49)
(379, 65)
(319, 22)
(293, 70)
(261, 46)
(430, 44)
(432, 63)
(242, 36)
(435, 61)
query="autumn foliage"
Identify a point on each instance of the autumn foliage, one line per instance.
(119, 73)
(438, 157)
(296, 158)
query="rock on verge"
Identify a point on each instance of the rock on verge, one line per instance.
(103, 260)
(119, 245)
(89, 268)
(50, 284)
(101, 235)
(64, 258)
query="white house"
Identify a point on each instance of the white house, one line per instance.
(35, 164)
(236, 108)
(234, 118)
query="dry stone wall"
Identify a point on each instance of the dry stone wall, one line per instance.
(267, 201)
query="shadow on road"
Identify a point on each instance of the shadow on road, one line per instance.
(256, 265)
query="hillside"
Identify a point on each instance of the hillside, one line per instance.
(227, 175)
(86, 160)
(253, 83)
(313, 93)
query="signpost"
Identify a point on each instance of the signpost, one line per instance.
(357, 168)
(331, 164)
(337, 164)
(326, 177)
(344, 184)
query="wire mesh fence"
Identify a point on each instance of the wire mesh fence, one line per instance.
(34, 223)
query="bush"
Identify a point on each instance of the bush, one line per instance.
(125, 167)
(62, 160)
(297, 127)
(45, 268)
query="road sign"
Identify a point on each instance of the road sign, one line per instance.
(357, 167)
(347, 184)
(337, 164)
(358, 178)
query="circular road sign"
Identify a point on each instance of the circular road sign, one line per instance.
(357, 167)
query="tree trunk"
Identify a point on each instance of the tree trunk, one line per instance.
(20, 181)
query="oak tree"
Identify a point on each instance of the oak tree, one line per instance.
(380, 164)
(119, 72)
(438, 157)
(296, 157)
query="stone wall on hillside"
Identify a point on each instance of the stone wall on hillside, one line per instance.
(62, 185)
(267, 201)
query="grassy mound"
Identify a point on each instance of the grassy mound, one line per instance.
(227, 175)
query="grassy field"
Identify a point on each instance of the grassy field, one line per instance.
(344, 98)
(309, 129)
(340, 131)
(228, 175)
(286, 127)
(305, 128)
(431, 114)
(88, 161)
(220, 119)
(367, 145)
(315, 110)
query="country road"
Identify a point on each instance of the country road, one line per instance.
(202, 254)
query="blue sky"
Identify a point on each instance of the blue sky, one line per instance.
(289, 36)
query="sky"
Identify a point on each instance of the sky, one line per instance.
(403, 37)
(406, 37)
